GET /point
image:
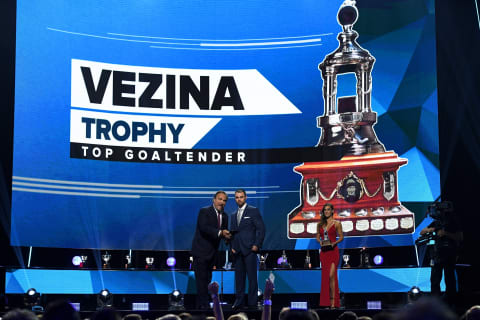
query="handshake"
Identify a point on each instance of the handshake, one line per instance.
(226, 234)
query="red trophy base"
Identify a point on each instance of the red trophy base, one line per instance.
(363, 191)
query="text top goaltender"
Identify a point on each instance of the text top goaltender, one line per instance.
(115, 153)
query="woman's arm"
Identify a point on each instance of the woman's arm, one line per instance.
(338, 227)
(318, 233)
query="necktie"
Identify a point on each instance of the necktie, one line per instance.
(239, 216)
(219, 220)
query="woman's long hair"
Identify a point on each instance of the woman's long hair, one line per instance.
(323, 219)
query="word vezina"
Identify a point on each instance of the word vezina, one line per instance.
(126, 83)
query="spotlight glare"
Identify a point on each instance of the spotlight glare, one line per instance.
(171, 262)
(104, 299)
(31, 292)
(281, 260)
(414, 293)
(32, 299)
(378, 259)
(175, 300)
(76, 261)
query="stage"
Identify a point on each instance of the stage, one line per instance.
(387, 287)
(352, 280)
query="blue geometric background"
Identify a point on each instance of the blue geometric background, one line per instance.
(405, 90)
(398, 33)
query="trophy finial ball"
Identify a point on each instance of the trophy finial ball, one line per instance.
(347, 15)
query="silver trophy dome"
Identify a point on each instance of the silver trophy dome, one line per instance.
(350, 121)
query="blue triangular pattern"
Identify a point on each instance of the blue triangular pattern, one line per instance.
(418, 179)
(400, 240)
(392, 135)
(378, 107)
(425, 222)
(427, 136)
(13, 286)
(345, 89)
(419, 80)
(396, 49)
(346, 85)
(304, 244)
(431, 104)
(376, 241)
(383, 282)
(433, 176)
(405, 279)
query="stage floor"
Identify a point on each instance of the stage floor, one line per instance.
(353, 280)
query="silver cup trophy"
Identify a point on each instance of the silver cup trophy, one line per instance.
(263, 261)
(346, 258)
(326, 244)
(84, 259)
(149, 261)
(350, 123)
(365, 173)
(106, 260)
(307, 264)
(128, 261)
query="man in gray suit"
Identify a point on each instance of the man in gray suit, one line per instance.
(248, 232)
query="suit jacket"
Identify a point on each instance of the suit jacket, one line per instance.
(206, 240)
(250, 231)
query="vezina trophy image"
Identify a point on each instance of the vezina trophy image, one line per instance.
(362, 184)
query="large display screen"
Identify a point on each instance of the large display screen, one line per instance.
(130, 115)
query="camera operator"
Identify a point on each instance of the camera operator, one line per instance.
(446, 232)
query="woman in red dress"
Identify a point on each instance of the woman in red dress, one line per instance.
(327, 231)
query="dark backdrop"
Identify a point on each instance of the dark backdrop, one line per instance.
(458, 70)
(458, 76)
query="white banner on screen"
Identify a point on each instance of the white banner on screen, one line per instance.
(193, 92)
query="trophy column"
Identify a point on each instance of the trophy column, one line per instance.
(330, 90)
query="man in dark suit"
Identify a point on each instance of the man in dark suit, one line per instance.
(212, 224)
(248, 232)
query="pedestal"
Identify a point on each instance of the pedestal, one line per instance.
(363, 191)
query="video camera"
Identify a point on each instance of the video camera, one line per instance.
(439, 210)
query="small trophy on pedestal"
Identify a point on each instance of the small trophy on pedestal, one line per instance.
(83, 264)
(326, 245)
(106, 260)
(149, 261)
(263, 261)
(128, 261)
(346, 258)
(364, 258)
(283, 261)
(308, 263)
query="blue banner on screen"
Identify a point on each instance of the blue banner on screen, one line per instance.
(130, 115)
